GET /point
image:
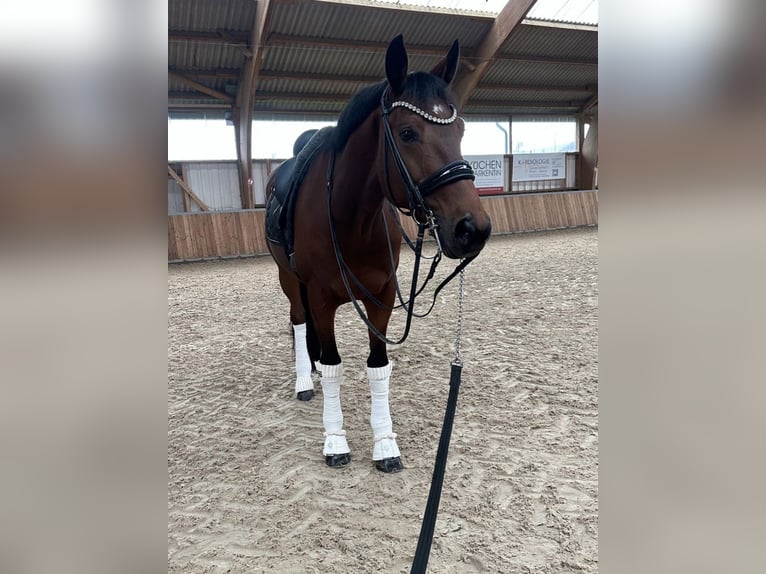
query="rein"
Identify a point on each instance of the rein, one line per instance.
(450, 173)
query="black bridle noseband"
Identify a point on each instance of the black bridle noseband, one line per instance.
(416, 194)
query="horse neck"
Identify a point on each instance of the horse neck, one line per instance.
(357, 195)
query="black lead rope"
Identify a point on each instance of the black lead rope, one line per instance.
(420, 562)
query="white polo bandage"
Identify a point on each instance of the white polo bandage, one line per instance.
(380, 417)
(303, 380)
(332, 415)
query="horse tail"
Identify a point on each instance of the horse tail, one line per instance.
(312, 339)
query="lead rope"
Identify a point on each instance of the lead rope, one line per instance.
(420, 562)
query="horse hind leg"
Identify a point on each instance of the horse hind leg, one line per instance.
(312, 340)
(304, 384)
(302, 333)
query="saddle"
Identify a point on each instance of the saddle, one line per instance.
(280, 208)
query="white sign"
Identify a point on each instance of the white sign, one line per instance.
(490, 173)
(536, 166)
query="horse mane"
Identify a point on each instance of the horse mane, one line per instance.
(420, 88)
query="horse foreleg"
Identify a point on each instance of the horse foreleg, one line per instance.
(385, 451)
(335, 450)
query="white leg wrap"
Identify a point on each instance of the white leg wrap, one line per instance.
(303, 380)
(380, 417)
(332, 416)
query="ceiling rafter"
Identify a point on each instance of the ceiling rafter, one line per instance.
(508, 18)
(217, 74)
(200, 87)
(355, 45)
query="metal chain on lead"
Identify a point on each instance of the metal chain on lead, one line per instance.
(458, 360)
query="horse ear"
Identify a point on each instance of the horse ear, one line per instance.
(447, 66)
(396, 64)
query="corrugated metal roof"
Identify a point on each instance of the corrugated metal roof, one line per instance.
(204, 15)
(376, 24)
(193, 55)
(550, 41)
(316, 54)
(511, 72)
(341, 61)
(574, 11)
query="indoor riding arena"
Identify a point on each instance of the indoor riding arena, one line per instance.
(248, 487)
(249, 490)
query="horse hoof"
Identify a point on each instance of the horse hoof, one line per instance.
(389, 465)
(306, 395)
(337, 460)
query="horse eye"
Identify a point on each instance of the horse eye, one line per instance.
(408, 135)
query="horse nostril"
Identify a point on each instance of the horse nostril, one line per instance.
(465, 231)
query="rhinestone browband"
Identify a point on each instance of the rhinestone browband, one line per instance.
(426, 115)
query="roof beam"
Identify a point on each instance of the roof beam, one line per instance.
(182, 107)
(335, 79)
(243, 104)
(350, 45)
(562, 25)
(295, 96)
(219, 37)
(282, 40)
(505, 104)
(590, 103)
(545, 60)
(200, 87)
(585, 90)
(178, 95)
(342, 99)
(235, 39)
(219, 74)
(281, 75)
(508, 18)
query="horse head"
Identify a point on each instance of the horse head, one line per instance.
(424, 170)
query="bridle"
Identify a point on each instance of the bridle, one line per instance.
(416, 194)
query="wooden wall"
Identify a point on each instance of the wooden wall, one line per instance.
(208, 235)
(213, 234)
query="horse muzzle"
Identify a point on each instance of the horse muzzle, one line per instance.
(464, 238)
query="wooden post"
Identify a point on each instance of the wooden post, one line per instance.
(185, 196)
(242, 111)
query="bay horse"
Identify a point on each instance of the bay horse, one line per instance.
(390, 135)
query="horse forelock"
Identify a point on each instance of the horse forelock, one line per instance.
(421, 89)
